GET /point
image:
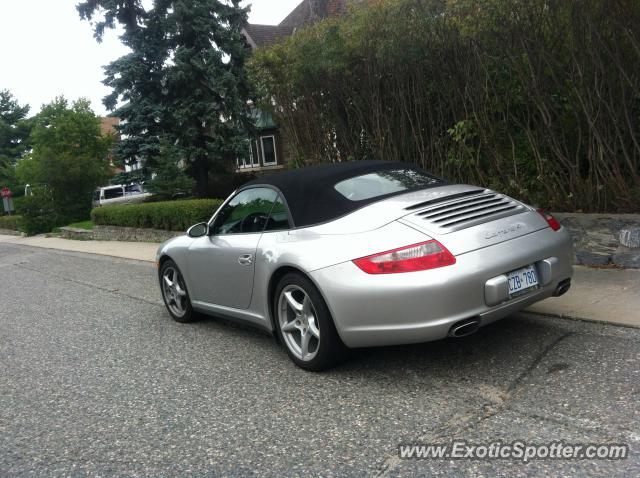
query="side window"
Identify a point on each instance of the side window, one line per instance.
(247, 212)
(113, 193)
(132, 190)
(279, 218)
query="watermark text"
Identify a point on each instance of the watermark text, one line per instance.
(517, 450)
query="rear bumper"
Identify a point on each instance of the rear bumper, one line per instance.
(375, 310)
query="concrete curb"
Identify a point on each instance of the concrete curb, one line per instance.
(140, 251)
(581, 319)
(597, 295)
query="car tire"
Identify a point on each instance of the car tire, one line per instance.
(301, 315)
(175, 294)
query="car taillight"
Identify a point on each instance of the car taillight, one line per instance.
(552, 221)
(418, 257)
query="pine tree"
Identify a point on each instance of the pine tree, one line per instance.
(184, 80)
(14, 132)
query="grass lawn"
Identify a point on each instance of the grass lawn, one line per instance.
(88, 225)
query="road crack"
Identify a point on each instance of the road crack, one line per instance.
(497, 400)
(541, 355)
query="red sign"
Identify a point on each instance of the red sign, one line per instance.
(6, 193)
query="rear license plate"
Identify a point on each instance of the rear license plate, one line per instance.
(522, 280)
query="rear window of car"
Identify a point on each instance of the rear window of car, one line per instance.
(383, 183)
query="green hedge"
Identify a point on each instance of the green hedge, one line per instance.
(9, 222)
(169, 215)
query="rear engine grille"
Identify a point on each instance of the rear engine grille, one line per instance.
(484, 206)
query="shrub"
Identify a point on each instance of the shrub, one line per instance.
(9, 222)
(169, 215)
(39, 213)
(17, 204)
(539, 99)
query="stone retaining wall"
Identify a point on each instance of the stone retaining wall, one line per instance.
(115, 233)
(599, 239)
(604, 239)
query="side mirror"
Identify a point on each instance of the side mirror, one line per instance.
(199, 230)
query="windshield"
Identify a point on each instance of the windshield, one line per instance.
(382, 183)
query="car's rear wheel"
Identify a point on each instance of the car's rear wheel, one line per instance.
(304, 324)
(175, 294)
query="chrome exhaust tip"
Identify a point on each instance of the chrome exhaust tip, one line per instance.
(465, 327)
(563, 288)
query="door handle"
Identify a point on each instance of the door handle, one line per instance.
(245, 259)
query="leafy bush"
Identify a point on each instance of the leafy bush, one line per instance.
(9, 222)
(169, 215)
(539, 99)
(39, 213)
(17, 204)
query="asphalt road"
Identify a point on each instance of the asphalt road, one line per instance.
(98, 381)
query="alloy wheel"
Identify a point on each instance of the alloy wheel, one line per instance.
(298, 323)
(174, 291)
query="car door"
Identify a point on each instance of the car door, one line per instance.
(221, 265)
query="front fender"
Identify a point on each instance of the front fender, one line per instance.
(177, 250)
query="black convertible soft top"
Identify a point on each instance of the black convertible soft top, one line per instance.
(312, 197)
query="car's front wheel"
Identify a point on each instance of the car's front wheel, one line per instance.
(175, 294)
(304, 324)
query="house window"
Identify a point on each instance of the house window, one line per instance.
(255, 156)
(252, 161)
(269, 155)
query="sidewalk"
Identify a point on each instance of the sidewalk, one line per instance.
(603, 295)
(141, 251)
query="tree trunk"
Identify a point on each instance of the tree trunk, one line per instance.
(201, 171)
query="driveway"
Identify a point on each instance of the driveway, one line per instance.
(97, 380)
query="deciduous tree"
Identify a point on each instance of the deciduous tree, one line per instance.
(69, 156)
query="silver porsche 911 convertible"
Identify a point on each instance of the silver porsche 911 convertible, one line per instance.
(361, 254)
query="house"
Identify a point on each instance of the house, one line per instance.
(267, 150)
(109, 127)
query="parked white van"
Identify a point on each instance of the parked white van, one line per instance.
(121, 194)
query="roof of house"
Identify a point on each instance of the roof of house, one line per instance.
(307, 12)
(304, 13)
(265, 35)
(262, 120)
